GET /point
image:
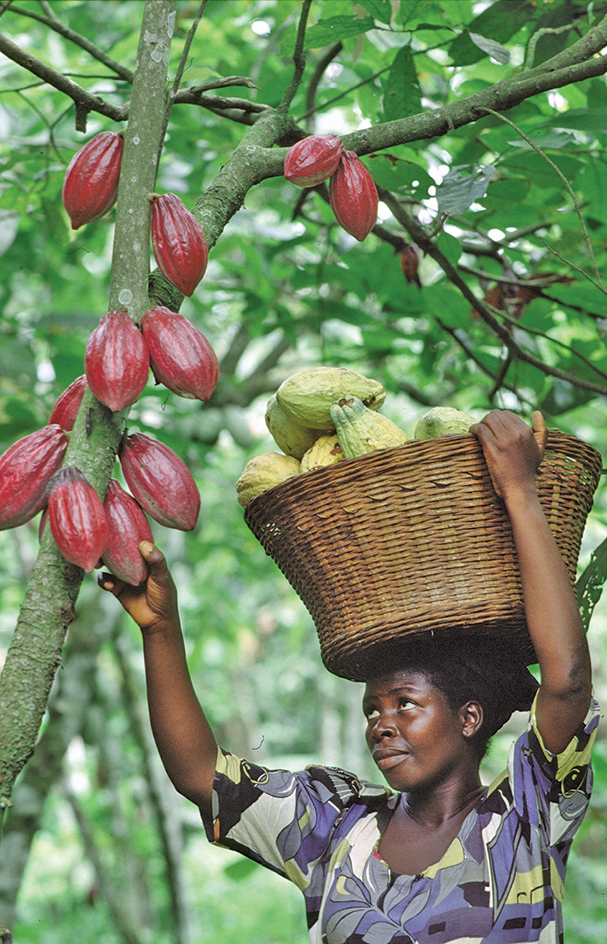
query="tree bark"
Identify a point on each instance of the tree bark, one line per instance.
(35, 651)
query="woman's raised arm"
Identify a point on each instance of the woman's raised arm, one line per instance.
(184, 738)
(513, 452)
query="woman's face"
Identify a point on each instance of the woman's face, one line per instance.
(416, 740)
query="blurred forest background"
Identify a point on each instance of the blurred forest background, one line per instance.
(505, 198)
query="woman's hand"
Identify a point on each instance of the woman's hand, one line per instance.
(153, 604)
(512, 450)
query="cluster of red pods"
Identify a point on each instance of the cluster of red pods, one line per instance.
(91, 532)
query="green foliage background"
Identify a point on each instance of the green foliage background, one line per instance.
(287, 288)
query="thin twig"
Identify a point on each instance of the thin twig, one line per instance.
(554, 30)
(179, 74)
(52, 21)
(299, 58)
(542, 153)
(317, 75)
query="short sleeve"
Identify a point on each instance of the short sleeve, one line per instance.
(552, 791)
(284, 820)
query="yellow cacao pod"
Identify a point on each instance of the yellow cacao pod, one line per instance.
(361, 430)
(442, 421)
(325, 451)
(262, 472)
(289, 436)
(306, 397)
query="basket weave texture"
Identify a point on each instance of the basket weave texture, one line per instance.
(410, 541)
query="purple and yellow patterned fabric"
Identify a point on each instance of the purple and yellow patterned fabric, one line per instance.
(500, 881)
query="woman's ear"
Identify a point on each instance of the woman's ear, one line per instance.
(471, 715)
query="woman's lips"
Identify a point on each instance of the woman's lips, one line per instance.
(387, 761)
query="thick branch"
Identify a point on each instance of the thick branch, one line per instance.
(581, 61)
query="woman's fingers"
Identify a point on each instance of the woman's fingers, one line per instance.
(540, 431)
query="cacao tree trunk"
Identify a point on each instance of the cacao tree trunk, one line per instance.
(35, 651)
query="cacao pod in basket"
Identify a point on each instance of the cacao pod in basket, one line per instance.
(181, 358)
(25, 471)
(90, 186)
(160, 481)
(117, 362)
(77, 518)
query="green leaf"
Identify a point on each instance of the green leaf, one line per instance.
(505, 194)
(459, 191)
(379, 9)
(402, 94)
(532, 165)
(400, 176)
(589, 586)
(446, 303)
(326, 32)
(450, 247)
(491, 22)
(493, 49)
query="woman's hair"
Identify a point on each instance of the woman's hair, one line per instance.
(469, 669)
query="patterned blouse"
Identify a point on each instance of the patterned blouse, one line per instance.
(500, 881)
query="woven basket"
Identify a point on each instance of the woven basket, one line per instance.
(411, 541)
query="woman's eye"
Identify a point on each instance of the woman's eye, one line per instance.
(404, 704)
(372, 714)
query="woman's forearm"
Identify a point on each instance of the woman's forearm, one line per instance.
(184, 738)
(553, 620)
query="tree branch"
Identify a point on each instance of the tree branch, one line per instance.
(84, 101)
(418, 235)
(96, 52)
(299, 58)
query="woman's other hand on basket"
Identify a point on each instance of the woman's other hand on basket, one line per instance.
(512, 449)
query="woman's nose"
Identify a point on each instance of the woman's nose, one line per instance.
(383, 726)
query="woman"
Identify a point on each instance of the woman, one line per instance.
(437, 857)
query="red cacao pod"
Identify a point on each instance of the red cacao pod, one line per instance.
(127, 527)
(66, 408)
(160, 481)
(313, 159)
(180, 248)
(353, 196)
(90, 186)
(181, 358)
(77, 518)
(117, 362)
(25, 470)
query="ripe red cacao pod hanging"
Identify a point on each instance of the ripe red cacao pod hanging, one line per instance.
(180, 248)
(117, 362)
(313, 159)
(66, 408)
(160, 481)
(77, 518)
(90, 186)
(25, 471)
(127, 527)
(181, 358)
(353, 196)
